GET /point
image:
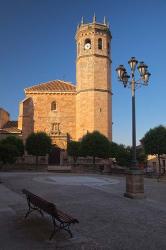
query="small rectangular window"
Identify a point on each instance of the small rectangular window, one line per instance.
(53, 105)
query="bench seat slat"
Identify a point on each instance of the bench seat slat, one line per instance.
(65, 217)
(37, 201)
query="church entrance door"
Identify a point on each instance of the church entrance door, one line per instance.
(54, 156)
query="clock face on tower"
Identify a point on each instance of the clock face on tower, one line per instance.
(87, 46)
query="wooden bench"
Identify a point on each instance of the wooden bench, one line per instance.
(36, 203)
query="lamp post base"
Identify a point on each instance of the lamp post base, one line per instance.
(135, 184)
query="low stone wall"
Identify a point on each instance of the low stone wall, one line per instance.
(89, 160)
(26, 162)
(59, 168)
(119, 171)
(90, 168)
(22, 167)
(30, 159)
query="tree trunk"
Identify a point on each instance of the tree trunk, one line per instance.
(75, 159)
(93, 160)
(159, 164)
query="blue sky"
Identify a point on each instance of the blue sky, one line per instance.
(37, 44)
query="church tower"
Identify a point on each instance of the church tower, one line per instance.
(93, 77)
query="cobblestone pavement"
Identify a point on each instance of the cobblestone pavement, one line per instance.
(108, 220)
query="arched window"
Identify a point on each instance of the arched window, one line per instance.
(53, 106)
(99, 43)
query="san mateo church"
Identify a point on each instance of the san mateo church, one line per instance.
(67, 111)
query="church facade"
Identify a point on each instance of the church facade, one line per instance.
(49, 107)
(67, 111)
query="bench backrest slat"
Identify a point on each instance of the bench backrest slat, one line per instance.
(37, 201)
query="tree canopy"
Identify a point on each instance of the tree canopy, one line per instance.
(154, 142)
(38, 144)
(10, 148)
(141, 156)
(96, 145)
(121, 153)
(15, 141)
(73, 149)
(8, 153)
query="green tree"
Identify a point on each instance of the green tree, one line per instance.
(141, 156)
(38, 144)
(113, 149)
(154, 142)
(10, 148)
(8, 153)
(15, 141)
(96, 145)
(124, 155)
(73, 149)
(121, 153)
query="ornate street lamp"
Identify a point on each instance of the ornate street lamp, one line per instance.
(134, 177)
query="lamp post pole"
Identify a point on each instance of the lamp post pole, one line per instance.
(134, 160)
(134, 176)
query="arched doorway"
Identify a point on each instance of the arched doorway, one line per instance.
(54, 156)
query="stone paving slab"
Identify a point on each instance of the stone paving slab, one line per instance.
(107, 219)
(8, 197)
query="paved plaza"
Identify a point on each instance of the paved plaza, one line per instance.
(108, 220)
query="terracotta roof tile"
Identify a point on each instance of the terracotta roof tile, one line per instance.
(52, 86)
(10, 127)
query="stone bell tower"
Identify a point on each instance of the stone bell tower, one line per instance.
(93, 77)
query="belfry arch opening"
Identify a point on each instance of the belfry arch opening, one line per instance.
(100, 44)
(108, 48)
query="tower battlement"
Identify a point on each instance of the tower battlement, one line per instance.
(92, 28)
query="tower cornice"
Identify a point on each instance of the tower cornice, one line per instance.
(83, 29)
(94, 89)
(96, 55)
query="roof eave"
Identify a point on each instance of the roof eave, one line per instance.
(49, 92)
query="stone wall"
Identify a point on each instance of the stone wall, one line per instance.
(36, 115)
(26, 117)
(94, 113)
(31, 160)
(4, 117)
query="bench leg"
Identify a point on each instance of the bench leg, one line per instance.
(32, 208)
(54, 229)
(66, 227)
(26, 215)
(62, 226)
(29, 208)
(40, 211)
